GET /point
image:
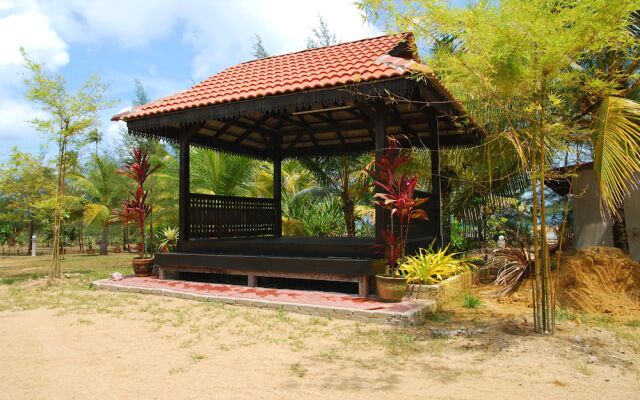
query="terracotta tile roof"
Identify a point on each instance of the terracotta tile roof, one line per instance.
(324, 67)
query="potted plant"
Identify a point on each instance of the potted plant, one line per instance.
(91, 243)
(169, 239)
(396, 195)
(136, 208)
(116, 246)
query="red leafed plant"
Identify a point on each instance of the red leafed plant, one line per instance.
(136, 209)
(396, 195)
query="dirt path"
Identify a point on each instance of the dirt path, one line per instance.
(177, 349)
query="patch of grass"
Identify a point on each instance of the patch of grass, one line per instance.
(298, 370)
(197, 357)
(315, 321)
(330, 355)
(283, 316)
(633, 323)
(439, 316)
(470, 300)
(564, 314)
(174, 371)
(584, 369)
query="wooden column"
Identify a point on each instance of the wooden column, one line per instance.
(380, 134)
(436, 178)
(183, 206)
(277, 187)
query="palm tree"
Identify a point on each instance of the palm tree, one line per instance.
(105, 189)
(343, 177)
(219, 173)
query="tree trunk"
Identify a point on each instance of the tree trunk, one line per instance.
(619, 230)
(348, 209)
(55, 267)
(104, 242)
(30, 248)
(81, 239)
(152, 243)
(125, 237)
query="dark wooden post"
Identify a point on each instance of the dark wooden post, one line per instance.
(184, 186)
(277, 187)
(380, 134)
(436, 178)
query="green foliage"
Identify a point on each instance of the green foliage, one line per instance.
(25, 184)
(318, 216)
(68, 123)
(342, 177)
(219, 173)
(431, 266)
(532, 73)
(169, 238)
(257, 49)
(8, 236)
(457, 239)
(322, 35)
(616, 158)
(470, 300)
(90, 242)
(104, 188)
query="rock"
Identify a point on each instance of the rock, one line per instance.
(577, 339)
(593, 359)
(117, 276)
(447, 333)
(586, 349)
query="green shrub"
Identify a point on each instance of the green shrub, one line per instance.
(429, 267)
(90, 242)
(471, 301)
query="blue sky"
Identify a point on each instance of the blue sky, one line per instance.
(167, 44)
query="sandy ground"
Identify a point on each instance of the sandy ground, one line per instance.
(56, 344)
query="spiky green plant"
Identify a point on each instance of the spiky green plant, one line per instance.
(430, 266)
(169, 238)
(470, 300)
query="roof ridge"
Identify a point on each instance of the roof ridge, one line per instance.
(406, 34)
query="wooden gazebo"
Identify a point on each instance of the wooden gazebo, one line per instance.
(328, 101)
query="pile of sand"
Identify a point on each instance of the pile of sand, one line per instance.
(599, 280)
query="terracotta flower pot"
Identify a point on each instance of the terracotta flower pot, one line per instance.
(142, 266)
(391, 288)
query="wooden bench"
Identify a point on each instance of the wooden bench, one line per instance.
(252, 266)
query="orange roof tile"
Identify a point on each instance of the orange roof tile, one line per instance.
(329, 66)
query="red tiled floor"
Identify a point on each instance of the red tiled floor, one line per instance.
(312, 298)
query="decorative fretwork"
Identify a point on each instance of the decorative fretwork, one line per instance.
(229, 216)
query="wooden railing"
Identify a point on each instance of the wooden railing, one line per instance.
(230, 216)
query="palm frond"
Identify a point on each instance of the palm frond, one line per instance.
(616, 150)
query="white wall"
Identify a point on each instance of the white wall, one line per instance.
(632, 216)
(588, 226)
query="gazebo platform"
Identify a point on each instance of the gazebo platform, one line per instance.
(325, 304)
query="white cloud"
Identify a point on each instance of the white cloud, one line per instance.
(31, 30)
(219, 40)
(220, 33)
(15, 117)
(5, 5)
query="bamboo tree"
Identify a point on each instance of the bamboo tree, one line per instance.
(519, 69)
(70, 117)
